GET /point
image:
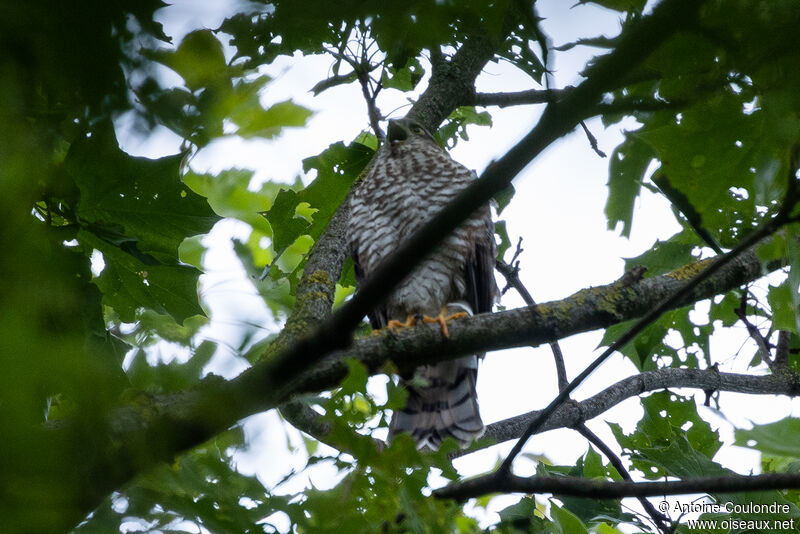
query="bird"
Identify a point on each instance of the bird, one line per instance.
(409, 180)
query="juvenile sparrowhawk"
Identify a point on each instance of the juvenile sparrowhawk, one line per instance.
(409, 181)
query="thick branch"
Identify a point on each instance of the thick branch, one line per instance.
(314, 298)
(204, 410)
(453, 82)
(589, 309)
(600, 489)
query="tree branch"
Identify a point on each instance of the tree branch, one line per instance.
(452, 82)
(576, 413)
(314, 298)
(600, 489)
(532, 96)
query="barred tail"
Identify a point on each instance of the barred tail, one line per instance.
(445, 406)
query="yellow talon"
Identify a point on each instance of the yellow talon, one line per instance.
(442, 320)
(412, 320)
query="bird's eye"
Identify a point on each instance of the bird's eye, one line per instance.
(416, 129)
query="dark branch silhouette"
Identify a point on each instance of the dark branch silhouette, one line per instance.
(600, 489)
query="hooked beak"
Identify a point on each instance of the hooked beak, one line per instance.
(396, 133)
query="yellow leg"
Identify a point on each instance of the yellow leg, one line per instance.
(442, 319)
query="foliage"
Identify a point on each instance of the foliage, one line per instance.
(718, 114)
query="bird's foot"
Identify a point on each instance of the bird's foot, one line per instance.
(411, 320)
(416, 318)
(442, 319)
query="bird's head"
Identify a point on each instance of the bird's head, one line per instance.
(404, 130)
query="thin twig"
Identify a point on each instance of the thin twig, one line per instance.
(511, 275)
(657, 517)
(592, 140)
(370, 93)
(362, 67)
(764, 348)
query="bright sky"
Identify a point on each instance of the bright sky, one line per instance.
(558, 210)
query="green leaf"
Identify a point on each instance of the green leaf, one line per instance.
(649, 346)
(198, 59)
(779, 438)
(784, 312)
(356, 380)
(671, 439)
(503, 197)
(716, 156)
(519, 52)
(405, 78)
(283, 219)
(166, 328)
(626, 169)
(793, 253)
(664, 256)
(524, 510)
(724, 310)
(254, 121)
(682, 205)
(172, 376)
(337, 167)
(505, 242)
(192, 250)
(565, 521)
(138, 204)
(341, 294)
(455, 126)
(590, 509)
(229, 194)
(128, 284)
